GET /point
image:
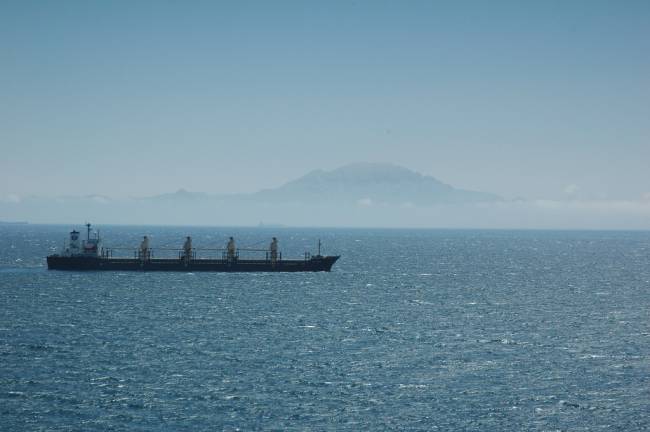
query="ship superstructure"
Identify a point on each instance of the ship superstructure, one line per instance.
(90, 247)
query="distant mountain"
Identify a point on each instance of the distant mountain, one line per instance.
(371, 183)
(355, 195)
(359, 194)
(179, 195)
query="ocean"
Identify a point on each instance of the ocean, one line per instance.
(426, 330)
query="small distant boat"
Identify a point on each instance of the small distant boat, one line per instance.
(90, 255)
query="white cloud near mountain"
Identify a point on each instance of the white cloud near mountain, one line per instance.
(571, 189)
(10, 198)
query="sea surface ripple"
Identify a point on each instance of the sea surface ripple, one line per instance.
(412, 330)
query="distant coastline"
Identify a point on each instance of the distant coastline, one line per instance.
(14, 223)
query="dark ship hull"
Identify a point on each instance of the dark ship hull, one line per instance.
(313, 264)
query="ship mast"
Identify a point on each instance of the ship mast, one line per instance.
(88, 231)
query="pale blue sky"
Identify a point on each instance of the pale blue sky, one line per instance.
(138, 98)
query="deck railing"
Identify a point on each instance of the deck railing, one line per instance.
(196, 253)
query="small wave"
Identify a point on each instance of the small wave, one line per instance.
(413, 386)
(564, 403)
(592, 356)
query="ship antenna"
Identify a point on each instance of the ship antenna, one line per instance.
(88, 231)
(318, 247)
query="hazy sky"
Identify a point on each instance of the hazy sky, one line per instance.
(534, 99)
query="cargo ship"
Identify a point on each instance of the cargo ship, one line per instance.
(89, 254)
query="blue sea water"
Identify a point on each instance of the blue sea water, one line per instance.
(412, 330)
